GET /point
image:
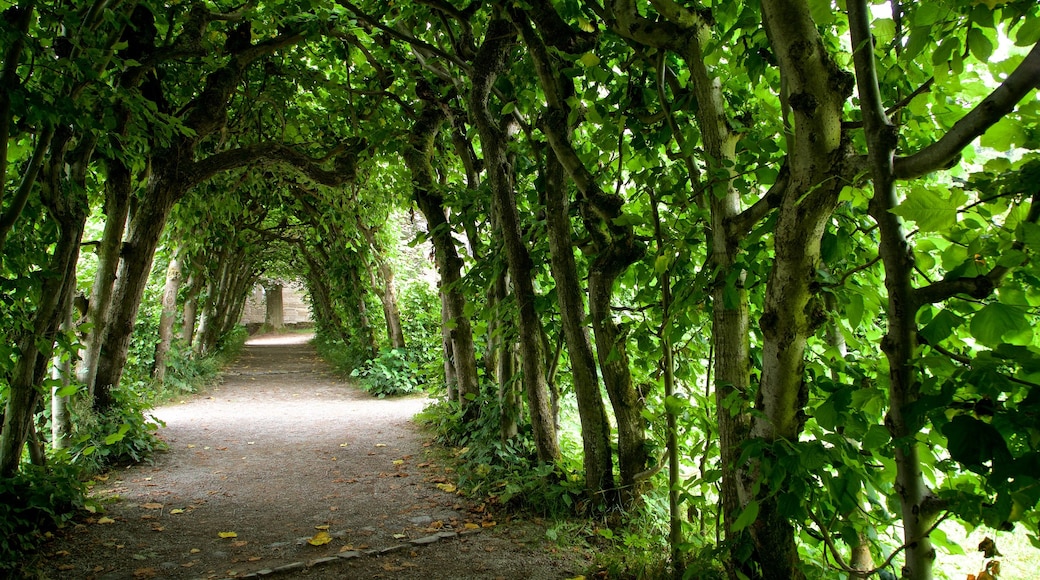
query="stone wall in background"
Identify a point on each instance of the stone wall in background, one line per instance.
(295, 307)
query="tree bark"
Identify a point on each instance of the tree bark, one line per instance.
(174, 275)
(595, 427)
(417, 157)
(488, 64)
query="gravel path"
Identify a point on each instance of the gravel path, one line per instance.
(283, 451)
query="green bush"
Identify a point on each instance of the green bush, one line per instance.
(123, 436)
(507, 472)
(33, 502)
(393, 373)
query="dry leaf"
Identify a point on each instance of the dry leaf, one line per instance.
(322, 527)
(105, 520)
(400, 536)
(227, 534)
(254, 558)
(488, 524)
(346, 548)
(446, 487)
(399, 462)
(471, 526)
(152, 506)
(320, 539)
(176, 511)
(194, 551)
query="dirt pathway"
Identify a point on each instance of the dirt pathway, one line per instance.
(280, 452)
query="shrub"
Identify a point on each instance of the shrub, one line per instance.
(394, 372)
(33, 502)
(124, 435)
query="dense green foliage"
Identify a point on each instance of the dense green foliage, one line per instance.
(769, 264)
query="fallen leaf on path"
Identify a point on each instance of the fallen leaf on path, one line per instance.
(346, 548)
(239, 543)
(254, 558)
(105, 520)
(152, 506)
(322, 527)
(488, 524)
(176, 511)
(400, 536)
(471, 526)
(227, 534)
(380, 444)
(399, 462)
(446, 487)
(344, 444)
(320, 539)
(194, 551)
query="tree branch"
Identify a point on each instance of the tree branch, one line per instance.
(999, 103)
(344, 169)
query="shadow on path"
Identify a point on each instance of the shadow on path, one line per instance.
(278, 452)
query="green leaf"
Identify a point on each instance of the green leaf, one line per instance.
(990, 324)
(929, 210)
(979, 44)
(941, 327)
(972, 442)
(68, 391)
(747, 516)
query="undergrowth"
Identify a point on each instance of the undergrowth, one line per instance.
(39, 500)
(33, 503)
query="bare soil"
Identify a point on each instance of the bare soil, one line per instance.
(278, 453)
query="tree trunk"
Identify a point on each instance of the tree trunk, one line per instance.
(145, 230)
(61, 418)
(382, 277)
(275, 313)
(191, 301)
(117, 209)
(489, 62)
(595, 427)
(418, 157)
(900, 343)
(451, 377)
(67, 205)
(174, 274)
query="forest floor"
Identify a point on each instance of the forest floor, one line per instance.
(283, 451)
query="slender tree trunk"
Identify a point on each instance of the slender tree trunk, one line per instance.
(595, 427)
(451, 377)
(382, 277)
(418, 157)
(174, 275)
(919, 511)
(138, 251)
(69, 209)
(117, 208)
(489, 62)
(190, 311)
(61, 418)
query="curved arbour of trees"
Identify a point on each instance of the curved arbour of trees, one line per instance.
(739, 242)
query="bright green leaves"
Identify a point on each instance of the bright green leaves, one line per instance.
(933, 210)
(996, 321)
